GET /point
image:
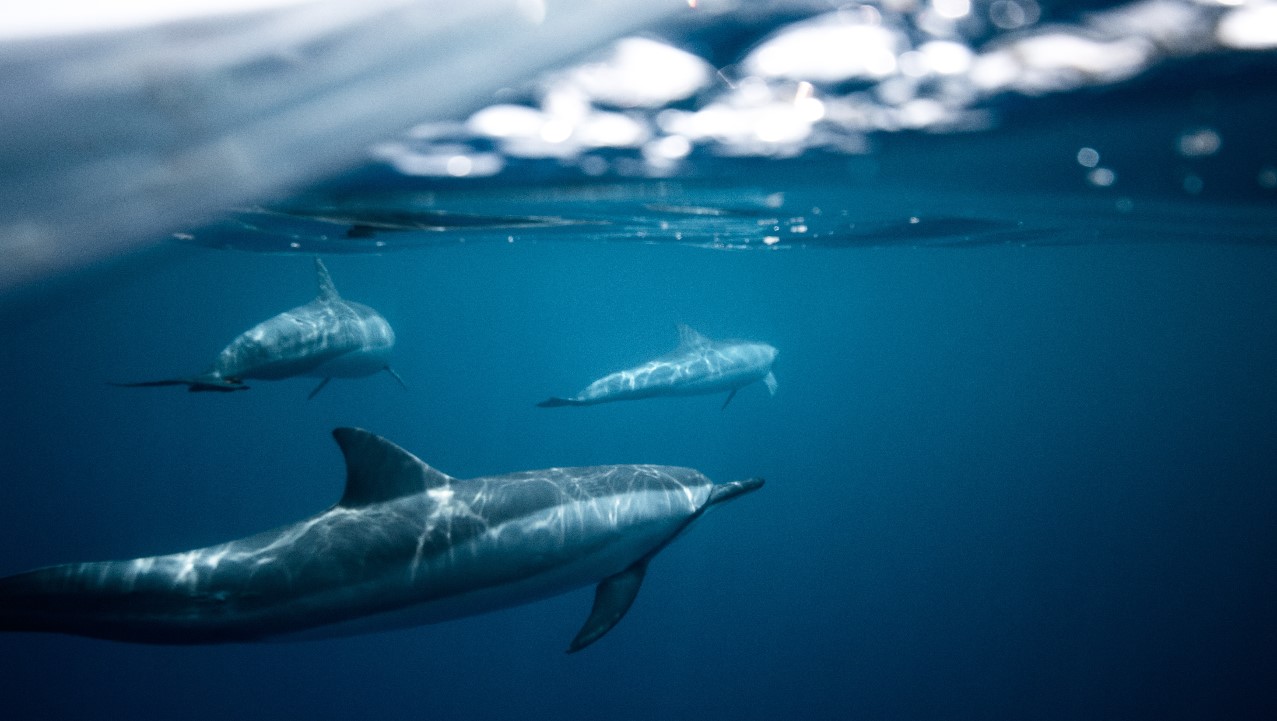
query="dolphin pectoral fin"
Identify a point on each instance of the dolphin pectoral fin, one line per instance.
(318, 388)
(556, 402)
(769, 380)
(396, 376)
(612, 598)
(730, 395)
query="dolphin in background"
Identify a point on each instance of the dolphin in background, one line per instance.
(406, 545)
(698, 366)
(327, 338)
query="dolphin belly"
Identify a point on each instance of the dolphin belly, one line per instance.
(353, 364)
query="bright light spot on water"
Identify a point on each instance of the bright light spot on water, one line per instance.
(1060, 61)
(779, 123)
(946, 57)
(672, 147)
(952, 9)
(809, 107)
(611, 130)
(556, 130)
(440, 161)
(642, 73)
(830, 48)
(1101, 177)
(1199, 143)
(771, 240)
(504, 121)
(1267, 177)
(922, 113)
(459, 166)
(1088, 157)
(1253, 27)
(995, 70)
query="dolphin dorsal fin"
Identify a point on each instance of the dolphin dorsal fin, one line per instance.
(689, 338)
(378, 470)
(327, 291)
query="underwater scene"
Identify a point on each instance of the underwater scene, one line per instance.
(912, 359)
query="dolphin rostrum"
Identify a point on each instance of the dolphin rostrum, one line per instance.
(406, 545)
(698, 366)
(327, 338)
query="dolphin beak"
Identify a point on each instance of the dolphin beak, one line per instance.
(727, 491)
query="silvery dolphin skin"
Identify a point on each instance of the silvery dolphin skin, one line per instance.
(698, 366)
(327, 338)
(406, 545)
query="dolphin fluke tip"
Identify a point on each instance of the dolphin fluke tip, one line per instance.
(556, 402)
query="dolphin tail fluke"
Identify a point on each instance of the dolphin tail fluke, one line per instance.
(194, 385)
(396, 376)
(556, 402)
(612, 598)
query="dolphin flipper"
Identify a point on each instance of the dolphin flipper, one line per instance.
(612, 598)
(730, 395)
(396, 376)
(318, 388)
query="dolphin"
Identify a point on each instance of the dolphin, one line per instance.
(698, 366)
(327, 338)
(406, 545)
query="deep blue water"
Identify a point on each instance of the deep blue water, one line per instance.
(1003, 481)
(1022, 462)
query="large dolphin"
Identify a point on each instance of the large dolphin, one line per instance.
(406, 545)
(698, 366)
(327, 338)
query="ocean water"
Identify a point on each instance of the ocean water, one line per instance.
(1022, 461)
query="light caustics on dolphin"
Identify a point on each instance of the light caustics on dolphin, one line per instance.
(327, 338)
(698, 366)
(406, 545)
